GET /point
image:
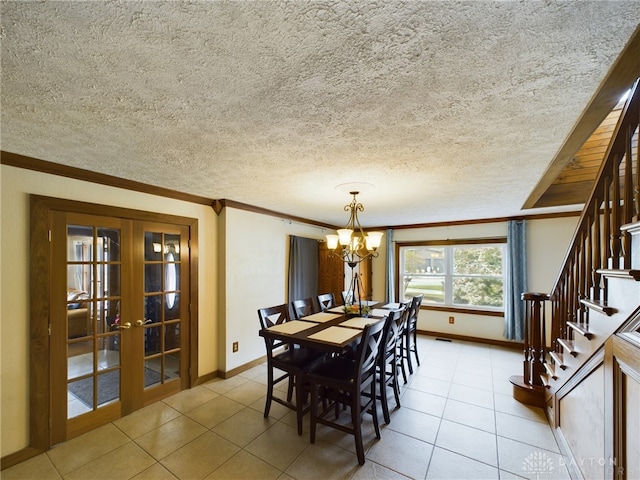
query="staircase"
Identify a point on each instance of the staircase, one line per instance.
(573, 371)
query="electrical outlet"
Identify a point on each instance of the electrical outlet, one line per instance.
(452, 320)
(235, 347)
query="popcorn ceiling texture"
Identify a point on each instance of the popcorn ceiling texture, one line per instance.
(452, 109)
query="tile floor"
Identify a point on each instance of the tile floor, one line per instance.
(457, 421)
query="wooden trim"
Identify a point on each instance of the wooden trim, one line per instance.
(19, 457)
(470, 311)
(489, 341)
(39, 293)
(29, 163)
(461, 241)
(42, 209)
(264, 211)
(539, 216)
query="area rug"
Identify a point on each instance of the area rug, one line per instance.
(108, 386)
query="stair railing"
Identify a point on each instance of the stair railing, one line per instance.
(598, 244)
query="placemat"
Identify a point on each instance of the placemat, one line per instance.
(320, 317)
(291, 327)
(335, 334)
(359, 322)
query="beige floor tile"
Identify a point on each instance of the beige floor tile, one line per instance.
(526, 431)
(502, 386)
(401, 453)
(446, 464)
(279, 445)
(146, 419)
(243, 427)
(470, 415)
(244, 466)
(39, 467)
(508, 404)
(372, 470)
(155, 472)
(215, 411)
(189, 399)
(431, 385)
(122, 463)
(412, 423)
(437, 372)
(247, 393)
(169, 437)
(474, 396)
(199, 458)
(81, 450)
(467, 441)
(529, 461)
(472, 380)
(423, 402)
(223, 386)
(277, 410)
(323, 461)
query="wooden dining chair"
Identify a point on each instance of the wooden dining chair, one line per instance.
(302, 308)
(326, 301)
(390, 359)
(347, 297)
(342, 381)
(410, 344)
(294, 362)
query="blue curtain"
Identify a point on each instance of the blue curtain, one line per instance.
(390, 269)
(516, 280)
(303, 268)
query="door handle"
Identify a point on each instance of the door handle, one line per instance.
(124, 326)
(140, 323)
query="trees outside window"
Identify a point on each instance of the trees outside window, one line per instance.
(454, 274)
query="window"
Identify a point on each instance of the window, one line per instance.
(462, 275)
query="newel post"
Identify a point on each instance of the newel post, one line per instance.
(528, 388)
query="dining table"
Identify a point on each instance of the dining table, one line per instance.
(330, 331)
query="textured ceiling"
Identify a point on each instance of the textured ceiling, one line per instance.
(452, 109)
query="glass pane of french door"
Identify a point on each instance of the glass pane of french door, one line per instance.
(94, 267)
(163, 310)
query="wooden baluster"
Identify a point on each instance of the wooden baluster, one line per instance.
(627, 197)
(595, 253)
(614, 259)
(606, 223)
(636, 189)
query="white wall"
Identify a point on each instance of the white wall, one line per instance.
(547, 242)
(16, 186)
(257, 250)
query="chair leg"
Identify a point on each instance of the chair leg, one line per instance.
(415, 346)
(402, 356)
(356, 421)
(300, 394)
(396, 386)
(374, 410)
(267, 405)
(407, 340)
(290, 388)
(383, 394)
(314, 413)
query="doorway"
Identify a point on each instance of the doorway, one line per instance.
(121, 330)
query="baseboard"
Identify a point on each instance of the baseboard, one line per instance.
(244, 368)
(19, 457)
(490, 341)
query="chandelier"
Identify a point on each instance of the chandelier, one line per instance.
(356, 246)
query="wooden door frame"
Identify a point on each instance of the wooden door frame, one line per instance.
(42, 209)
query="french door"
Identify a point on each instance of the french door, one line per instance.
(119, 318)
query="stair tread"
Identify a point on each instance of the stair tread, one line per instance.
(558, 359)
(581, 328)
(551, 371)
(598, 305)
(568, 346)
